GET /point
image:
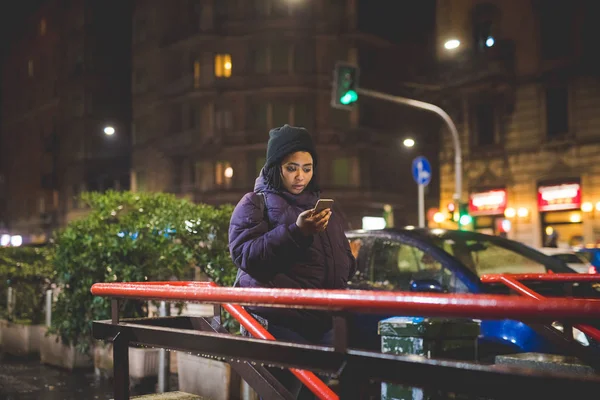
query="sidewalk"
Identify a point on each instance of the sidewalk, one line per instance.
(30, 380)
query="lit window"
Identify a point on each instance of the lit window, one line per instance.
(43, 27)
(223, 65)
(30, 68)
(223, 173)
(197, 74)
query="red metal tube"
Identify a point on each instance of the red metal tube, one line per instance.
(520, 288)
(489, 278)
(316, 385)
(511, 282)
(395, 303)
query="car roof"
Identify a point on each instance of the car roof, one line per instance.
(554, 251)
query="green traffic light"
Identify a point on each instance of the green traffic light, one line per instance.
(349, 97)
(465, 219)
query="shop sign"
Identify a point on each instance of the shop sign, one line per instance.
(492, 202)
(566, 196)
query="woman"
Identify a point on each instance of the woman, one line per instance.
(277, 242)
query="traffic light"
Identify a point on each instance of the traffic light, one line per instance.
(452, 212)
(345, 86)
(463, 215)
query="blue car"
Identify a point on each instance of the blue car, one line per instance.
(592, 254)
(446, 261)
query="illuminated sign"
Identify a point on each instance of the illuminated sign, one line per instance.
(487, 203)
(559, 197)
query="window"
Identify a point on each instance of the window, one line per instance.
(557, 111)
(43, 27)
(196, 74)
(223, 65)
(393, 265)
(280, 113)
(203, 175)
(223, 173)
(280, 58)
(192, 117)
(304, 58)
(304, 114)
(556, 18)
(484, 256)
(485, 124)
(30, 68)
(260, 59)
(258, 115)
(223, 120)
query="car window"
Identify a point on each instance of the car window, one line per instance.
(570, 258)
(394, 265)
(484, 257)
(588, 256)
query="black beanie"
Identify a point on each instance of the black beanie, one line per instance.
(286, 140)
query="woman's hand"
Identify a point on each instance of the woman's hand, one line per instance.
(310, 224)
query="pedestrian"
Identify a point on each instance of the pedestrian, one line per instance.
(277, 242)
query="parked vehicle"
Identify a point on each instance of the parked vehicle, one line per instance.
(573, 260)
(436, 260)
(592, 254)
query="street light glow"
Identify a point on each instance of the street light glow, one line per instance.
(109, 130)
(452, 44)
(489, 42)
(408, 142)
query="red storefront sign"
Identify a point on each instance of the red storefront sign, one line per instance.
(566, 196)
(492, 202)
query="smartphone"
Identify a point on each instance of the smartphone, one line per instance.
(323, 204)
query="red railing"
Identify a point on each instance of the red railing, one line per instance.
(395, 303)
(513, 282)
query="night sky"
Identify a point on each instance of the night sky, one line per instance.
(397, 20)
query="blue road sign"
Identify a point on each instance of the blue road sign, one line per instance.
(421, 171)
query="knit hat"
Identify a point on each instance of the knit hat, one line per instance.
(286, 140)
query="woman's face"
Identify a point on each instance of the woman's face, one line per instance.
(297, 171)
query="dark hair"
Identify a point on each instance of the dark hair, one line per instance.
(272, 175)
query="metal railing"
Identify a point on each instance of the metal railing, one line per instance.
(354, 368)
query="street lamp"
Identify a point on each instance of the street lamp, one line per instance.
(408, 142)
(452, 44)
(109, 131)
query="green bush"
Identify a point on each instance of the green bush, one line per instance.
(29, 271)
(130, 237)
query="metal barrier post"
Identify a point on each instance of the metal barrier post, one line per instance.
(10, 305)
(163, 356)
(48, 307)
(120, 358)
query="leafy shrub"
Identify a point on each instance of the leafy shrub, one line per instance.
(130, 237)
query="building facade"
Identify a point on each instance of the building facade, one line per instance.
(211, 77)
(65, 79)
(520, 79)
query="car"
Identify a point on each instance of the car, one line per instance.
(573, 260)
(452, 261)
(592, 254)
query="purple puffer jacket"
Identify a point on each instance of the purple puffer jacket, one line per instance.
(273, 253)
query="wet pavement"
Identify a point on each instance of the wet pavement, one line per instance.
(31, 380)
